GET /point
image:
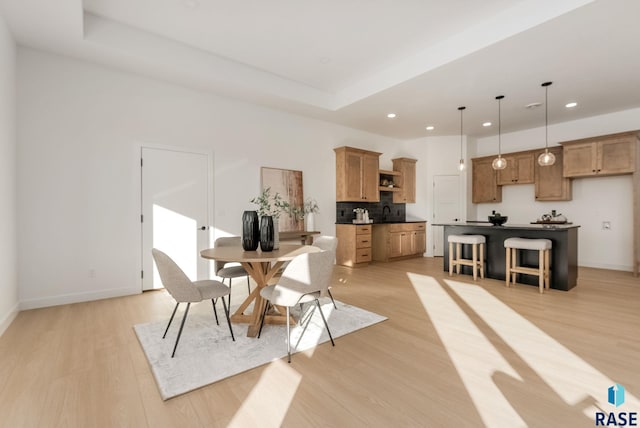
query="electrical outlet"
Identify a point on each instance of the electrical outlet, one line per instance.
(606, 225)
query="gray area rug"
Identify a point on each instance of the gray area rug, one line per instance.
(206, 353)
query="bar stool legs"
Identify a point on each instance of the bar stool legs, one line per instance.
(477, 254)
(543, 246)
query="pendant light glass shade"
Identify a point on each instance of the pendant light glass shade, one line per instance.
(499, 162)
(547, 158)
(461, 165)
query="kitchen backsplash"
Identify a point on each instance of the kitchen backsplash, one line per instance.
(379, 212)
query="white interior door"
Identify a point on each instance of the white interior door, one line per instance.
(446, 207)
(175, 211)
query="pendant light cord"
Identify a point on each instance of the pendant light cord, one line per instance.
(499, 127)
(461, 109)
(546, 115)
(461, 164)
(546, 118)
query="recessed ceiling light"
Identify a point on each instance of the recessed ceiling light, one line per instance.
(533, 105)
(486, 124)
(571, 105)
(391, 115)
(430, 128)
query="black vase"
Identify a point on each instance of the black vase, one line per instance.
(250, 231)
(266, 233)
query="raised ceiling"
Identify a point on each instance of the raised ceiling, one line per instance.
(353, 61)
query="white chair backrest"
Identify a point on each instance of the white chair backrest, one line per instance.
(174, 279)
(227, 241)
(309, 272)
(326, 243)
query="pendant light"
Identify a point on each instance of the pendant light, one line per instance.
(499, 162)
(461, 165)
(547, 158)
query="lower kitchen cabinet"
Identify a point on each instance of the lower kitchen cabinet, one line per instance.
(354, 244)
(399, 240)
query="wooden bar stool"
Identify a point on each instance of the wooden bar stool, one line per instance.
(543, 246)
(477, 257)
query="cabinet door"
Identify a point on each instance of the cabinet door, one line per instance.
(519, 169)
(407, 243)
(525, 168)
(484, 185)
(395, 244)
(420, 239)
(579, 159)
(407, 169)
(353, 176)
(369, 178)
(550, 185)
(356, 175)
(616, 156)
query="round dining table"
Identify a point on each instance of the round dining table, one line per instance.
(262, 266)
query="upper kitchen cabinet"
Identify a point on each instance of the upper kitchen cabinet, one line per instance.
(519, 169)
(357, 175)
(605, 155)
(407, 169)
(484, 186)
(550, 185)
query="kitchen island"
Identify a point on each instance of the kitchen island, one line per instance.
(564, 251)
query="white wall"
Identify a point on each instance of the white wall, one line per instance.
(78, 126)
(595, 199)
(8, 225)
(436, 156)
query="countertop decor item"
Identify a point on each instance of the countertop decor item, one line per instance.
(267, 238)
(250, 231)
(551, 218)
(270, 205)
(497, 219)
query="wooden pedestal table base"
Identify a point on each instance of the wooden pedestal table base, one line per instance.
(262, 267)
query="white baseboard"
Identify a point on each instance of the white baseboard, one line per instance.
(65, 299)
(6, 321)
(624, 268)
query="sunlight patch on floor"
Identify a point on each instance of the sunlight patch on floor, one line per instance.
(269, 400)
(473, 356)
(553, 362)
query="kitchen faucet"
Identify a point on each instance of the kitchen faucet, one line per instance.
(384, 216)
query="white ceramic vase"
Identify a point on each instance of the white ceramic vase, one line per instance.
(310, 220)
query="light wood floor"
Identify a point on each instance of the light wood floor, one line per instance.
(452, 353)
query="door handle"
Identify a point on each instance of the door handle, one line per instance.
(204, 227)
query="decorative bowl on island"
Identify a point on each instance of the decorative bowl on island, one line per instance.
(498, 220)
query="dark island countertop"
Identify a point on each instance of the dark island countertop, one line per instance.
(546, 227)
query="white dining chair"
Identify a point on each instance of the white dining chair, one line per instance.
(182, 289)
(327, 243)
(230, 270)
(305, 279)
